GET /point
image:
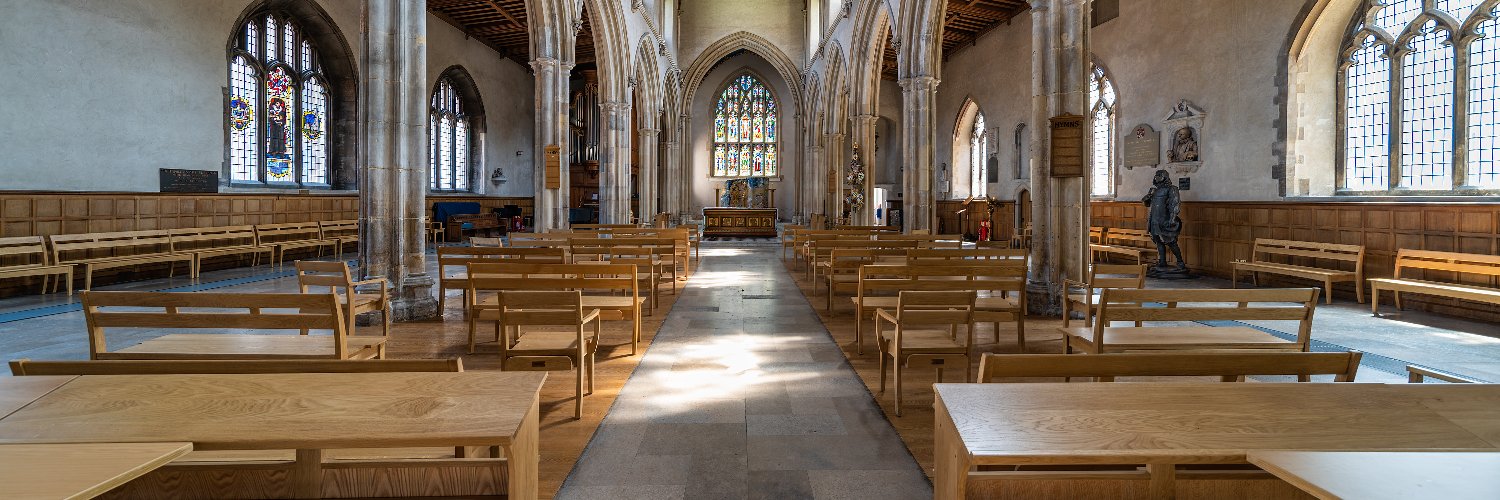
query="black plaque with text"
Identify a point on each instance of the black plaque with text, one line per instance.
(177, 180)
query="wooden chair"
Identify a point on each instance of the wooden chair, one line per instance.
(1416, 375)
(842, 269)
(925, 329)
(1194, 305)
(222, 311)
(548, 350)
(1101, 276)
(24, 256)
(23, 367)
(995, 280)
(654, 266)
(1228, 366)
(435, 232)
(615, 290)
(335, 276)
(451, 257)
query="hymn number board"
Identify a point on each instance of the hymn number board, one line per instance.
(1067, 146)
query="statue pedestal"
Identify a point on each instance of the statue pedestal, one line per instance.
(1170, 273)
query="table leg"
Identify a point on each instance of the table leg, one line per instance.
(307, 474)
(1163, 481)
(951, 470)
(523, 458)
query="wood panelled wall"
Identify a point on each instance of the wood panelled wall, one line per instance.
(951, 223)
(1217, 233)
(48, 213)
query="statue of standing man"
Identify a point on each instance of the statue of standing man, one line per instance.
(1164, 204)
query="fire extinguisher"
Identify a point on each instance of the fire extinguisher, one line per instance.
(984, 231)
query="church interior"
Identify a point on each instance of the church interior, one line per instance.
(750, 249)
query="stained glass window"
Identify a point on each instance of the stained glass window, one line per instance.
(745, 141)
(278, 107)
(1102, 104)
(1404, 133)
(448, 163)
(978, 152)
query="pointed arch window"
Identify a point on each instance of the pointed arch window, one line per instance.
(746, 130)
(1418, 86)
(1102, 106)
(278, 107)
(450, 136)
(979, 140)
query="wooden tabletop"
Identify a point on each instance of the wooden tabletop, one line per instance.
(1182, 336)
(52, 471)
(17, 392)
(1386, 475)
(283, 411)
(1085, 423)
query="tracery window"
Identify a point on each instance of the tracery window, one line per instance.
(1419, 90)
(745, 130)
(450, 135)
(278, 107)
(978, 153)
(1102, 106)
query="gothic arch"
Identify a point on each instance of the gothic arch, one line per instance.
(872, 26)
(743, 40)
(960, 165)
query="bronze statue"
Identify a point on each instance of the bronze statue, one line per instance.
(1164, 205)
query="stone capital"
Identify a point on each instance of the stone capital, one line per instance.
(920, 84)
(865, 119)
(615, 106)
(649, 132)
(1040, 5)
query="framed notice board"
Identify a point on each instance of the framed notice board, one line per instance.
(177, 180)
(1067, 146)
(553, 166)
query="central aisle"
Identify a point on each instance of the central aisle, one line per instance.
(743, 394)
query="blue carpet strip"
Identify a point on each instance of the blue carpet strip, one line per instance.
(198, 287)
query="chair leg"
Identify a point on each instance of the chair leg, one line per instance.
(1359, 291)
(1328, 290)
(472, 326)
(896, 369)
(882, 373)
(1067, 312)
(578, 390)
(859, 338)
(591, 357)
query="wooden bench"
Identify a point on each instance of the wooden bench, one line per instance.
(341, 232)
(291, 236)
(789, 239)
(879, 283)
(262, 311)
(957, 255)
(1101, 276)
(460, 258)
(841, 270)
(1228, 366)
(95, 251)
(1096, 234)
(1195, 305)
(818, 250)
(1449, 262)
(624, 302)
(24, 367)
(210, 242)
(1416, 375)
(24, 256)
(1263, 259)
(1132, 243)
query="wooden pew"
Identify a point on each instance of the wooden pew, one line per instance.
(1101, 276)
(957, 255)
(460, 258)
(1228, 366)
(789, 238)
(209, 242)
(818, 250)
(291, 236)
(341, 232)
(1198, 305)
(619, 280)
(842, 271)
(1133, 243)
(1445, 262)
(24, 256)
(95, 251)
(109, 310)
(879, 283)
(1097, 234)
(1266, 253)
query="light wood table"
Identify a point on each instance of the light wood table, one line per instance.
(1386, 475)
(17, 392)
(1160, 425)
(305, 412)
(52, 471)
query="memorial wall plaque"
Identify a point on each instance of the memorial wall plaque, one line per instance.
(1142, 148)
(553, 167)
(176, 180)
(1067, 146)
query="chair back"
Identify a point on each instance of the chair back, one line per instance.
(1229, 366)
(541, 308)
(1117, 276)
(1267, 304)
(334, 275)
(260, 311)
(946, 308)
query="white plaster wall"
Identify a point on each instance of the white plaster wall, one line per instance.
(1223, 56)
(99, 95)
(887, 169)
(704, 22)
(996, 73)
(506, 91)
(700, 153)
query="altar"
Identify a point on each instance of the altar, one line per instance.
(725, 221)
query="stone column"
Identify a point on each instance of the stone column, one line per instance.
(614, 163)
(393, 188)
(918, 150)
(673, 180)
(1059, 205)
(817, 178)
(551, 211)
(837, 160)
(648, 175)
(864, 137)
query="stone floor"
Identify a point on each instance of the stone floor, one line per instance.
(744, 394)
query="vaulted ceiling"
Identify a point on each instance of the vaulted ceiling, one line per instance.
(966, 21)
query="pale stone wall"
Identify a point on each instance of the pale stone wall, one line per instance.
(704, 22)
(887, 168)
(699, 152)
(506, 90)
(996, 74)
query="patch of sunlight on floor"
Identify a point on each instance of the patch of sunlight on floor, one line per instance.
(721, 252)
(720, 279)
(730, 369)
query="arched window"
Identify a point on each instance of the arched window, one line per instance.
(278, 106)
(745, 131)
(1408, 133)
(1102, 106)
(450, 136)
(978, 153)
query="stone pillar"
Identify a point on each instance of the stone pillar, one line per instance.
(648, 175)
(614, 163)
(673, 180)
(393, 188)
(864, 137)
(817, 177)
(918, 150)
(837, 161)
(551, 211)
(1059, 205)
